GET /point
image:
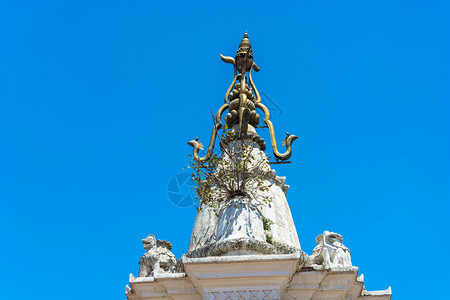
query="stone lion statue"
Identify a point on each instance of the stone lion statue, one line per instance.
(330, 252)
(157, 259)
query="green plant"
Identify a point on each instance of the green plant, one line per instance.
(237, 171)
(277, 244)
(267, 223)
(269, 238)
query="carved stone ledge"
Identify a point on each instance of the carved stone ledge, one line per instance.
(279, 180)
(243, 294)
(241, 245)
(387, 292)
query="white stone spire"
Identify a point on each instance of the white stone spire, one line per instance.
(244, 243)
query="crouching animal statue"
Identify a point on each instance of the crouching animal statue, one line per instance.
(157, 259)
(330, 252)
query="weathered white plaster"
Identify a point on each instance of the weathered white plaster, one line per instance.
(204, 230)
(283, 228)
(240, 219)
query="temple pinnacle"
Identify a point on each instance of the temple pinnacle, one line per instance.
(241, 100)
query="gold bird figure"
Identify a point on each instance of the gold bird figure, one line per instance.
(285, 139)
(199, 144)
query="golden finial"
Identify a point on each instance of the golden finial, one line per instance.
(241, 100)
(244, 53)
(245, 46)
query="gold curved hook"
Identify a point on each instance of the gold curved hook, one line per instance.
(230, 60)
(252, 84)
(282, 156)
(197, 145)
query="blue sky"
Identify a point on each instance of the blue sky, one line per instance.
(98, 101)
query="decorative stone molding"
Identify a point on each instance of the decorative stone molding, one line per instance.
(279, 180)
(244, 245)
(372, 294)
(243, 294)
(335, 283)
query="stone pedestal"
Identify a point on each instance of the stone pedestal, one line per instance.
(253, 277)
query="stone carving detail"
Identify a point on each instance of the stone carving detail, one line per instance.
(330, 252)
(248, 294)
(243, 245)
(157, 259)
